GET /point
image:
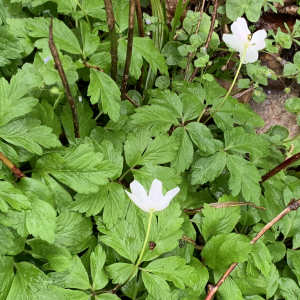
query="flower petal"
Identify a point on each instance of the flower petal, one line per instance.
(258, 46)
(138, 190)
(250, 56)
(167, 198)
(258, 37)
(155, 194)
(233, 43)
(138, 202)
(240, 30)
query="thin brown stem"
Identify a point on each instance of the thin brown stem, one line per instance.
(141, 34)
(293, 205)
(11, 166)
(59, 67)
(280, 167)
(191, 241)
(212, 25)
(197, 30)
(113, 38)
(94, 67)
(128, 98)
(129, 48)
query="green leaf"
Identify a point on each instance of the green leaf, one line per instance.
(244, 177)
(59, 258)
(165, 232)
(44, 112)
(240, 141)
(64, 38)
(208, 168)
(12, 104)
(94, 8)
(81, 168)
(73, 231)
(184, 156)
(54, 292)
(272, 281)
(292, 105)
(222, 250)
(277, 251)
(217, 221)
(202, 274)
(74, 277)
(140, 149)
(149, 172)
(261, 257)
(119, 272)
(86, 123)
(173, 269)
(107, 297)
(10, 47)
(103, 88)
(147, 49)
(7, 240)
(191, 106)
(289, 288)
(29, 134)
(156, 286)
(170, 51)
(14, 197)
(155, 117)
(101, 60)
(27, 281)
(99, 275)
(90, 41)
(202, 137)
(121, 13)
(236, 8)
(6, 275)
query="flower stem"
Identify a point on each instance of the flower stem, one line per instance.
(142, 252)
(233, 82)
(83, 10)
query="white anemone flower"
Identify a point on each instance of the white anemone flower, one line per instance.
(241, 38)
(155, 201)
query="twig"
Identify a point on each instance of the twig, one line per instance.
(280, 167)
(212, 25)
(139, 17)
(191, 54)
(241, 94)
(11, 166)
(221, 205)
(94, 67)
(129, 48)
(293, 205)
(113, 38)
(127, 96)
(191, 241)
(59, 67)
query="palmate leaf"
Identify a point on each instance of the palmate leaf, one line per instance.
(140, 149)
(29, 134)
(103, 88)
(81, 168)
(64, 38)
(6, 275)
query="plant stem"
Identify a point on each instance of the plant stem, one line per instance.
(231, 87)
(290, 140)
(141, 255)
(59, 67)
(87, 19)
(212, 25)
(129, 48)
(139, 17)
(293, 205)
(280, 167)
(124, 174)
(113, 38)
(11, 166)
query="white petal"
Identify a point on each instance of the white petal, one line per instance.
(258, 36)
(240, 30)
(155, 194)
(233, 43)
(167, 198)
(251, 56)
(138, 202)
(258, 46)
(138, 190)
